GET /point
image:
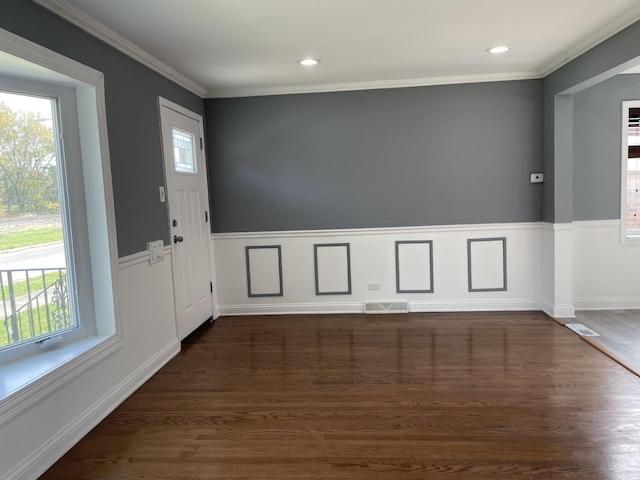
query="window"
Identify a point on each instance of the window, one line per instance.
(53, 119)
(630, 204)
(38, 289)
(185, 158)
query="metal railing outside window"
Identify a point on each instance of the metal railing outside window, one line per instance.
(35, 303)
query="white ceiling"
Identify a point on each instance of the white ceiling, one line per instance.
(250, 47)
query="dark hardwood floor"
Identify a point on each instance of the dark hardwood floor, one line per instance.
(431, 396)
(619, 334)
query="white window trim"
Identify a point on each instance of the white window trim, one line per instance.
(22, 383)
(626, 105)
(79, 258)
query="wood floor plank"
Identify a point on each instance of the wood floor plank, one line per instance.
(619, 332)
(437, 396)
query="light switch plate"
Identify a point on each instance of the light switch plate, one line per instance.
(162, 197)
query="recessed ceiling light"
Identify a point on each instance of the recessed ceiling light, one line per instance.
(500, 49)
(309, 62)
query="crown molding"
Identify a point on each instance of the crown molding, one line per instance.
(371, 85)
(93, 27)
(592, 41)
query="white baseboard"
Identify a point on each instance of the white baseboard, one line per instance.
(358, 307)
(607, 303)
(567, 311)
(290, 309)
(475, 306)
(49, 453)
(547, 307)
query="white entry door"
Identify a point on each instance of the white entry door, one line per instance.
(188, 202)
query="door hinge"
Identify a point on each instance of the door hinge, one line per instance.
(206, 216)
(211, 286)
(201, 144)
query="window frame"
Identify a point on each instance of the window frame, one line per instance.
(29, 379)
(624, 166)
(73, 212)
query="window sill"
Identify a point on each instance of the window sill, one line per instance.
(630, 240)
(28, 380)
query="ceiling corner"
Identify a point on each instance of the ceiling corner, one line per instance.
(97, 29)
(592, 41)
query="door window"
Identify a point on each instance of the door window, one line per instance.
(183, 151)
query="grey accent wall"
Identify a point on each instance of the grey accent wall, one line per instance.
(455, 154)
(588, 69)
(597, 147)
(132, 116)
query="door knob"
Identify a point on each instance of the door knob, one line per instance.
(177, 239)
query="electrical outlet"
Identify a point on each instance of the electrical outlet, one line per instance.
(374, 286)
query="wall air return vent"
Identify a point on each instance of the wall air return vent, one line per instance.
(386, 307)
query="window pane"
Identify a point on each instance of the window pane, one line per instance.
(632, 213)
(183, 151)
(34, 283)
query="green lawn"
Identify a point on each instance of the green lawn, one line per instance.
(28, 238)
(40, 325)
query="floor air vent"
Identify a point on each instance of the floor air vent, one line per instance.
(386, 307)
(580, 329)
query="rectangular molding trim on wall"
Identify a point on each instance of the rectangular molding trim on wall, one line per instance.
(483, 275)
(264, 271)
(417, 261)
(332, 268)
(431, 262)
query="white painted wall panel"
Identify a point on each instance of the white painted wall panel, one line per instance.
(148, 331)
(333, 269)
(487, 264)
(373, 261)
(264, 271)
(557, 268)
(414, 266)
(606, 272)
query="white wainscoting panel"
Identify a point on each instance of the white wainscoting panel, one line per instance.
(213, 280)
(606, 272)
(145, 295)
(333, 269)
(557, 268)
(487, 264)
(373, 260)
(264, 268)
(414, 268)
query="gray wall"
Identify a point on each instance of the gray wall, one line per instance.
(132, 116)
(593, 66)
(597, 147)
(455, 154)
